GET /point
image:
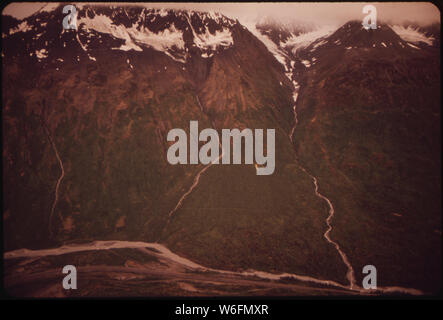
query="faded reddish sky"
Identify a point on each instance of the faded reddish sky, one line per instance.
(422, 12)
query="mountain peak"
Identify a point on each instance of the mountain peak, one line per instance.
(353, 34)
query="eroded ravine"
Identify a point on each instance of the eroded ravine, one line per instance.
(350, 275)
(189, 191)
(196, 178)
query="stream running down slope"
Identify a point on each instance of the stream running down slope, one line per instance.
(350, 275)
(57, 186)
(197, 176)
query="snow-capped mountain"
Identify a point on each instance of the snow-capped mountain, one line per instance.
(353, 37)
(182, 34)
(307, 44)
(178, 34)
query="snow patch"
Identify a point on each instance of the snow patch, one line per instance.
(163, 12)
(306, 63)
(206, 55)
(22, 27)
(411, 45)
(129, 63)
(320, 43)
(413, 35)
(41, 54)
(211, 41)
(220, 38)
(38, 36)
(163, 41)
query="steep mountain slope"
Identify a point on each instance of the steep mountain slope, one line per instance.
(86, 115)
(369, 129)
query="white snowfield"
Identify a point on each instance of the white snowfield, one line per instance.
(162, 41)
(305, 39)
(166, 41)
(269, 44)
(212, 41)
(411, 34)
(293, 43)
(280, 52)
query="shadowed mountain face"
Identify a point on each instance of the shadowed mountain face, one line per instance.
(86, 114)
